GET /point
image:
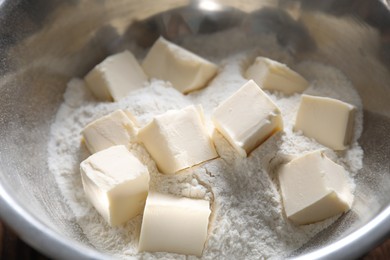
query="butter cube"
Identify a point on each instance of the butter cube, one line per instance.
(327, 120)
(175, 225)
(273, 75)
(178, 139)
(185, 70)
(116, 183)
(117, 128)
(115, 77)
(314, 188)
(247, 118)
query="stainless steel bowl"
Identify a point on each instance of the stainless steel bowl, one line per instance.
(44, 43)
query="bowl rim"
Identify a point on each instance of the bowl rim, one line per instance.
(51, 243)
(38, 235)
(356, 244)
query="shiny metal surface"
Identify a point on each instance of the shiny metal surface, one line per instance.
(45, 42)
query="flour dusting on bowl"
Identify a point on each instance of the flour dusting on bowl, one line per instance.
(248, 218)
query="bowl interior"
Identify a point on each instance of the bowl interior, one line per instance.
(45, 44)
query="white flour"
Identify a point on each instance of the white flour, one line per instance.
(248, 219)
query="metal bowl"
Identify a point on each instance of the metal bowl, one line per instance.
(46, 42)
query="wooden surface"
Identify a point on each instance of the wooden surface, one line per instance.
(12, 247)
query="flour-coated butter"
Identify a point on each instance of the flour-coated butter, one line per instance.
(273, 75)
(178, 139)
(247, 118)
(117, 128)
(314, 188)
(327, 120)
(116, 183)
(173, 224)
(185, 70)
(115, 77)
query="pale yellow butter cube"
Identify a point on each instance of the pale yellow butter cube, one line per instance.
(273, 75)
(116, 183)
(115, 77)
(175, 225)
(327, 120)
(178, 139)
(185, 70)
(117, 128)
(314, 188)
(247, 118)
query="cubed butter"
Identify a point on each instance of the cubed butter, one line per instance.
(247, 118)
(273, 75)
(327, 120)
(185, 70)
(175, 225)
(178, 139)
(314, 188)
(116, 183)
(115, 77)
(118, 128)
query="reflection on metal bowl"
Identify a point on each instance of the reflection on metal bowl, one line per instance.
(45, 43)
